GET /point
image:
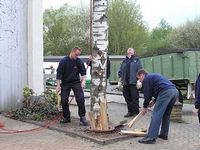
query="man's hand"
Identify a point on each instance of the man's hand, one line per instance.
(58, 88)
(83, 81)
(151, 103)
(119, 83)
(83, 84)
(195, 111)
(143, 111)
(90, 58)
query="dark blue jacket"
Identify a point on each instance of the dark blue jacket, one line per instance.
(153, 84)
(197, 93)
(130, 66)
(68, 70)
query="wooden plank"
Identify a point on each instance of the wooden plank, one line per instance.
(135, 133)
(59, 100)
(98, 123)
(140, 130)
(103, 115)
(134, 120)
(92, 120)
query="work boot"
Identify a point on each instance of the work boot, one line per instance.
(129, 115)
(147, 140)
(164, 137)
(65, 120)
(83, 121)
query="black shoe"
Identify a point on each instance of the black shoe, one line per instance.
(147, 140)
(129, 115)
(83, 121)
(65, 120)
(164, 137)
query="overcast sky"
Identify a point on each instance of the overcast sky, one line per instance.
(175, 12)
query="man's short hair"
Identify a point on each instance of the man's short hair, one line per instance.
(141, 71)
(76, 48)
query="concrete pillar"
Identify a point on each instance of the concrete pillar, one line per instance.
(35, 46)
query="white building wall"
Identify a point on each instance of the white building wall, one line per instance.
(14, 64)
(35, 46)
(13, 52)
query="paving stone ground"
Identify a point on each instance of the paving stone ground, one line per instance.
(183, 136)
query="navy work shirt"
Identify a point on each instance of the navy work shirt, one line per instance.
(197, 93)
(68, 70)
(128, 65)
(153, 84)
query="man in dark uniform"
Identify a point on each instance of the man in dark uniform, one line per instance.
(68, 77)
(127, 74)
(165, 94)
(196, 109)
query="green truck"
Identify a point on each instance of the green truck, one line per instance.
(180, 66)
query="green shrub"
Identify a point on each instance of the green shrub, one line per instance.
(41, 108)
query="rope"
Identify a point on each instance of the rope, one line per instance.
(91, 7)
(46, 125)
(1, 125)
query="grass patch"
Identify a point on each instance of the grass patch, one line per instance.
(188, 101)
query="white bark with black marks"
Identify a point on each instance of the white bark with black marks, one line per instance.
(100, 49)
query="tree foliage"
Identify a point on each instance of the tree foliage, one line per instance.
(186, 36)
(126, 28)
(68, 26)
(157, 39)
(65, 28)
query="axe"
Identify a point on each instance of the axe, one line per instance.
(135, 119)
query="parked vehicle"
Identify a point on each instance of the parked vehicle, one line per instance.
(181, 67)
(49, 76)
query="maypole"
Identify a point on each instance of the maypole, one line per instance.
(98, 115)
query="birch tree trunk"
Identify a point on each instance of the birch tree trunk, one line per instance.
(99, 53)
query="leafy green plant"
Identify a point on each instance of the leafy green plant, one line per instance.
(40, 108)
(27, 93)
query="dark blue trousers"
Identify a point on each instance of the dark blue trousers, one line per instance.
(161, 113)
(131, 96)
(79, 95)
